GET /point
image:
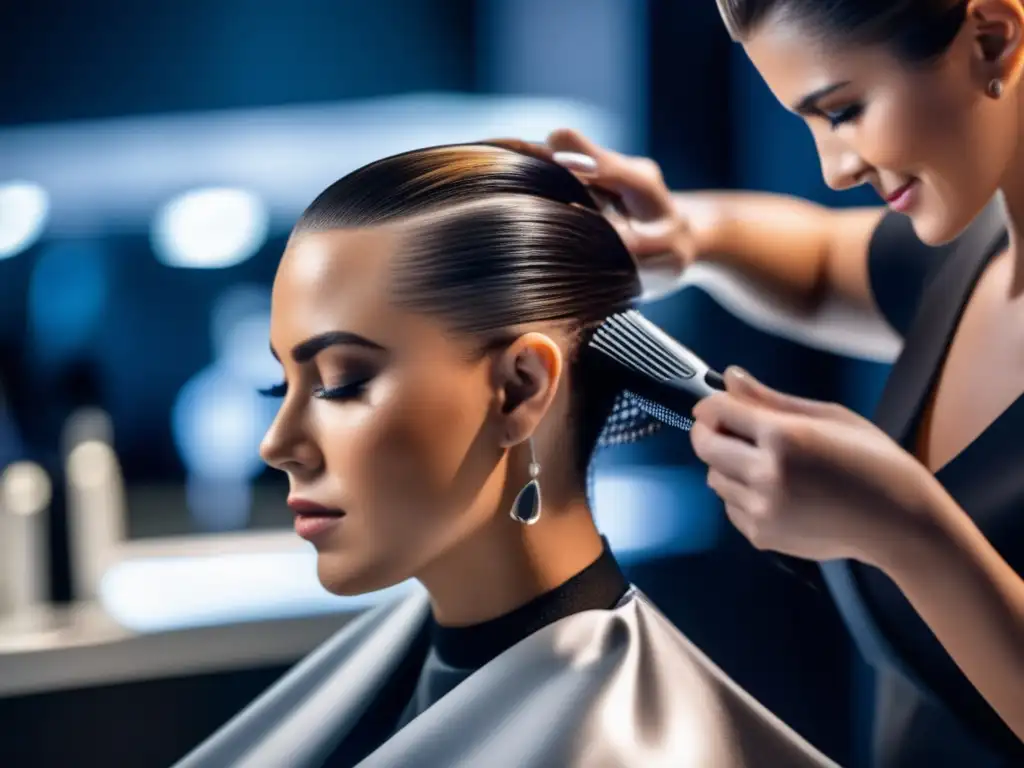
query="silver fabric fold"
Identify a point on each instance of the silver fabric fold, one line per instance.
(621, 687)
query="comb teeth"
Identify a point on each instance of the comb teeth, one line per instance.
(632, 341)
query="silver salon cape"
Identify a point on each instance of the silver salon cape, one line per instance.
(602, 688)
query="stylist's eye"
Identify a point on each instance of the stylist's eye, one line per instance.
(845, 115)
(350, 391)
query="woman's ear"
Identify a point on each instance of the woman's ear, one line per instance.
(527, 374)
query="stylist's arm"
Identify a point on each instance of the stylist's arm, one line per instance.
(817, 481)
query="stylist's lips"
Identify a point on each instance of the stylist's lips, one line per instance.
(312, 520)
(903, 198)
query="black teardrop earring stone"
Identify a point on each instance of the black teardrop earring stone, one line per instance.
(526, 507)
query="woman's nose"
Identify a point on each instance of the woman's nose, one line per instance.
(286, 447)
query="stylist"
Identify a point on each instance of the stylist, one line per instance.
(918, 516)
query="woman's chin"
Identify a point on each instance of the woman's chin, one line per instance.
(352, 579)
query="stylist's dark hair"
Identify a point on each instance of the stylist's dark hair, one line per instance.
(917, 31)
(498, 238)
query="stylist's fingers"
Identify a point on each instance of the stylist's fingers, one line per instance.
(636, 180)
(724, 412)
(730, 457)
(747, 524)
(740, 383)
(730, 491)
(534, 149)
(568, 144)
(566, 140)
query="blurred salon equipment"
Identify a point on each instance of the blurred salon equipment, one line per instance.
(25, 494)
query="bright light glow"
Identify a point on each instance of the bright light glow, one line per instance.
(653, 511)
(284, 154)
(210, 228)
(24, 208)
(218, 422)
(162, 594)
(25, 489)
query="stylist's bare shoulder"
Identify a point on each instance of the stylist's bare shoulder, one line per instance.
(797, 250)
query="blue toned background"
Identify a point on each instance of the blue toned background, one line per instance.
(152, 159)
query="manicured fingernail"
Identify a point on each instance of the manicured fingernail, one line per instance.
(737, 374)
(576, 161)
(652, 229)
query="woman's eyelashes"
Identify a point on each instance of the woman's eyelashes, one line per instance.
(348, 391)
(276, 391)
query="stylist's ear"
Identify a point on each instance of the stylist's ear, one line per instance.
(526, 378)
(999, 39)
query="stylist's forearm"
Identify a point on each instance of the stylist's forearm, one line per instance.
(779, 240)
(974, 603)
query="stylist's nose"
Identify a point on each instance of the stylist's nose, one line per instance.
(841, 166)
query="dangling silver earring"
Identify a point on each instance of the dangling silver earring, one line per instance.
(526, 507)
(995, 88)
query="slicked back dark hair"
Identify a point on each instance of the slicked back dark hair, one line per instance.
(502, 238)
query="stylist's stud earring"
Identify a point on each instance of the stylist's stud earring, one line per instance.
(526, 507)
(995, 88)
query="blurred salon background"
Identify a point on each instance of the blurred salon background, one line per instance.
(153, 157)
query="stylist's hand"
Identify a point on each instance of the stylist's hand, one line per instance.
(810, 479)
(652, 227)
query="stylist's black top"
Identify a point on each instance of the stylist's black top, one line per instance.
(922, 292)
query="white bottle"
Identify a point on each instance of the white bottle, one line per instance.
(95, 500)
(25, 495)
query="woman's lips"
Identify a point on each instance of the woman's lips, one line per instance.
(312, 520)
(311, 527)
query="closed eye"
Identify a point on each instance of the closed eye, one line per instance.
(847, 114)
(348, 391)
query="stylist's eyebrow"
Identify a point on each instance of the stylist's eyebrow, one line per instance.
(306, 350)
(809, 104)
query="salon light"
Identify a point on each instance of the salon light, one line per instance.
(24, 208)
(210, 228)
(171, 593)
(217, 423)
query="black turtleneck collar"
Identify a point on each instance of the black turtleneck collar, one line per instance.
(599, 586)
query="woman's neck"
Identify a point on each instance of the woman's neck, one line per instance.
(505, 564)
